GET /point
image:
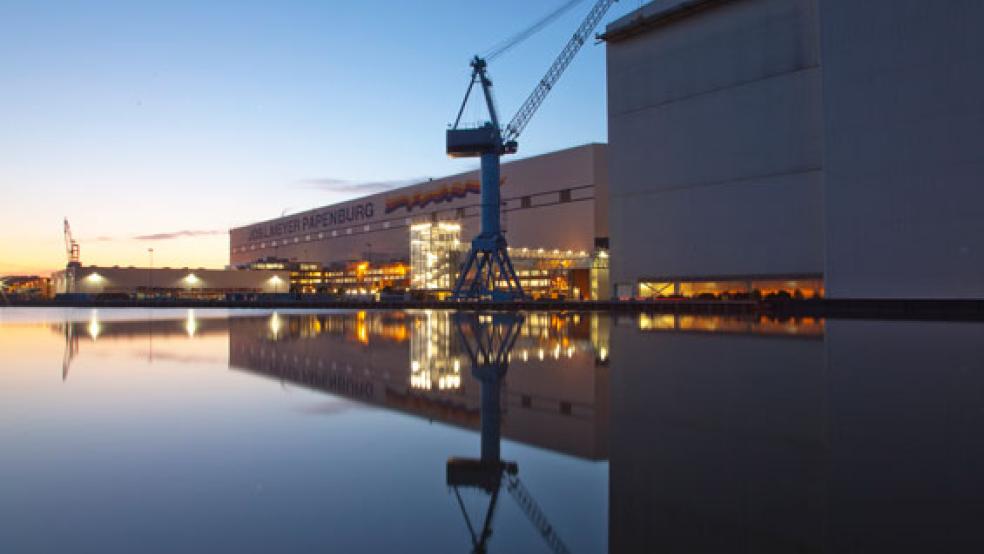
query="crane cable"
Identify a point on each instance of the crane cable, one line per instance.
(521, 36)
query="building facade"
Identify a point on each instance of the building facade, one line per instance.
(168, 282)
(811, 147)
(553, 204)
(25, 286)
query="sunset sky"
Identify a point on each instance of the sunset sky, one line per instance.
(163, 124)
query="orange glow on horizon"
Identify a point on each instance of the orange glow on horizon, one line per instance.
(45, 254)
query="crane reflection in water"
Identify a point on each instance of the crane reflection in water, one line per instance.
(488, 339)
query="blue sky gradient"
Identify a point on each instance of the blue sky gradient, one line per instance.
(142, 118)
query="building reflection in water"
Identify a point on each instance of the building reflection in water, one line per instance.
(415, 362)
(94, 328)
(433, 362)
(836, 436)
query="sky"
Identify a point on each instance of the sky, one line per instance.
(164, 124)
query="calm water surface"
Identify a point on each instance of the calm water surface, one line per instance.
(253, 431)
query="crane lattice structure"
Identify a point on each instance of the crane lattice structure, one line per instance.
(488, 272)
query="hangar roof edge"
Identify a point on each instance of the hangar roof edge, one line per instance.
(654, 14)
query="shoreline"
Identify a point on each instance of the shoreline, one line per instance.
(942, 310)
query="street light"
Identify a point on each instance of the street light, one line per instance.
(275, 281)
(150, 272)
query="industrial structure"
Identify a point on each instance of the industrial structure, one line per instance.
(801, 147)
(162, 282)
(554, 211)
(166, 282)
(558, 260)
(72, 256)
(24, 286)
(488, 272)
(758, 148)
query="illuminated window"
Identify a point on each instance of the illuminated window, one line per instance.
(433, 249)
(734, 288)
(656, 289)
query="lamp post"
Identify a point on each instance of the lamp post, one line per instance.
(150, 271)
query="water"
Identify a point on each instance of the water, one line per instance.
(212, 431)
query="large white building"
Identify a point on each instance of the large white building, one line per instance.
(554, 206)
(830, 146)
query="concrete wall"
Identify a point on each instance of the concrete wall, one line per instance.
(903, 90)
(828, 137)
(548, 223)
(715, 143)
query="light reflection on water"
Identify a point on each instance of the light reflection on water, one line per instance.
(202, 430)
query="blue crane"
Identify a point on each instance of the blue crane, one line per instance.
(488, 273)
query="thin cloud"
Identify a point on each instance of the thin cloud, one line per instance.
(181, 234)
(331, 407)
(179, 358)
(159, 236)
(343, 186)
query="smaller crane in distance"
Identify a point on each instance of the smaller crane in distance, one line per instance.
(72, 253)
(488, 272)
(71, 246)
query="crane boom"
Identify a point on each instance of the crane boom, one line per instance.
(535, 99)
(535, 515)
